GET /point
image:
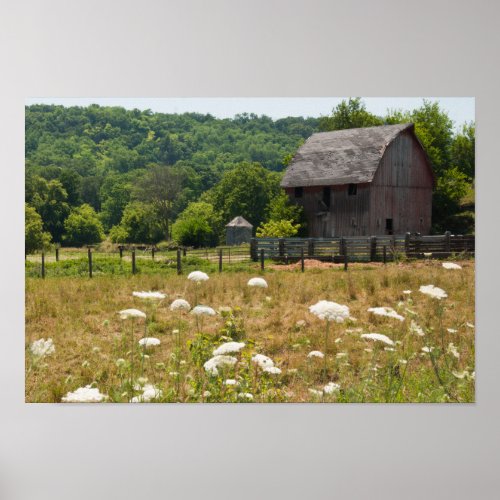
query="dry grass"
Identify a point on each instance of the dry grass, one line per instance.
(80, 315)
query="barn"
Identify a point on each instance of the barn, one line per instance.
(362, 181)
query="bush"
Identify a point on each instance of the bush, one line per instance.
(35, 237)
(198, 225)
(277, 229)
(83, 227)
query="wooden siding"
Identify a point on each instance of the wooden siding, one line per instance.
(402, 188)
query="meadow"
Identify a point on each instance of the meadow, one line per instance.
(273, 347)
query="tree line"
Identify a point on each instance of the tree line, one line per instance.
(143, 177)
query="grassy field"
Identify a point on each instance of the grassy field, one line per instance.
(432, 359)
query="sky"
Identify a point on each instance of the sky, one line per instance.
(459, 109)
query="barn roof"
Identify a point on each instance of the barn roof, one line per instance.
(239, 222)
(341, 157)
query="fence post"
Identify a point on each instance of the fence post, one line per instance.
(220, 260)
(281, 248)
(179, 264)
(120, 249)
(447, 242)
(57, 254)
(302, 259)
(184, 251)
(229, 254)
(43, 264)
(262, 259)
(253, 249)
(373, 248)
(418, 243)
(407, 243)
(133, 261)
(310, 247)
(345, 257)
(89, 252)
(286, 259)
(152, 253)
(385, 254)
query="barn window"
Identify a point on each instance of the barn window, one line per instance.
(299, 191)
(326, 196)
(352, 190)
(388, 226)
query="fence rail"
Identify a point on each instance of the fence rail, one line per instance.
(363, 248)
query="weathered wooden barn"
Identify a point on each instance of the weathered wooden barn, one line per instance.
(362, 181)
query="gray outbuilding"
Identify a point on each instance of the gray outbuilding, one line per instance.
(238, 231)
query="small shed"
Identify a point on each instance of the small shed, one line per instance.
(238, 231)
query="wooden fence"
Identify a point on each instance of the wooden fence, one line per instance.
(362, 248)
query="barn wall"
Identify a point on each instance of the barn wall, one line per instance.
(402, 189)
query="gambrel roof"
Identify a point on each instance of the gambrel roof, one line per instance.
(341, 157)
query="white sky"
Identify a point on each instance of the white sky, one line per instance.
(459, 109)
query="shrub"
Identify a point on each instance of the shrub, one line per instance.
(198, 225)
(35, 237)
(83, 227)
(277, 229)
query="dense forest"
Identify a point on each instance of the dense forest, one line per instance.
(142, 177)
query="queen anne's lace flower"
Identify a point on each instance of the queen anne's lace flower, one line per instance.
(433, 291)
(180, 305)
(386, 311)
(228, 348)
(331, 387)
(452, 349)
(246, 395)
(87, 394)
(131, 313)
(212, 365)
(315, 354)
(40, 348)
(378, 337)
(203, 311)
(262, 361)
(331, 311)
(273, 370)
(198, 276)
(231, 381)
(149, 295)
(451, 265)
(258, 282)
(149, 342)
(149, 392)
(416, 329)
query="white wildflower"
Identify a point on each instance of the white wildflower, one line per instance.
(389, 349)
(427, 349)
(368, 349)
(198, 276)
(203, 311)
(149, 295)
(331, 311)
(268, 299)
(451, 330)
(340, 355)
(231, 381)
(293, 371)
(40, 348)
(131, 313)
(409, 311)
(173, 374)
(433, 291)
(300, 323)
(315, 392)
(451, 265)
(228, 348)
(262, 361)
(180, 305)
(120, 362)
(378, 337)
(416, 329)
(386, 311)
(149, 342)
(207, 394)
(258, 282)
(149, 392)
(402, 361)
(407, 292)
(331, 387)
(464, 374)
(245, 395)
(273, 370)
(338, 340)
(452, 349)
(87, 394)
(85, 364)
(315, 354)
(470, 325)
(211, 366)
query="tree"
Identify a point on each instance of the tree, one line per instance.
(199, 225)
(281, 208)
(277, 229)
(349, 114)
(160, 186)
(463, 150)
(83, 227)
(138, 225)
(35, 237)
(244, 190)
